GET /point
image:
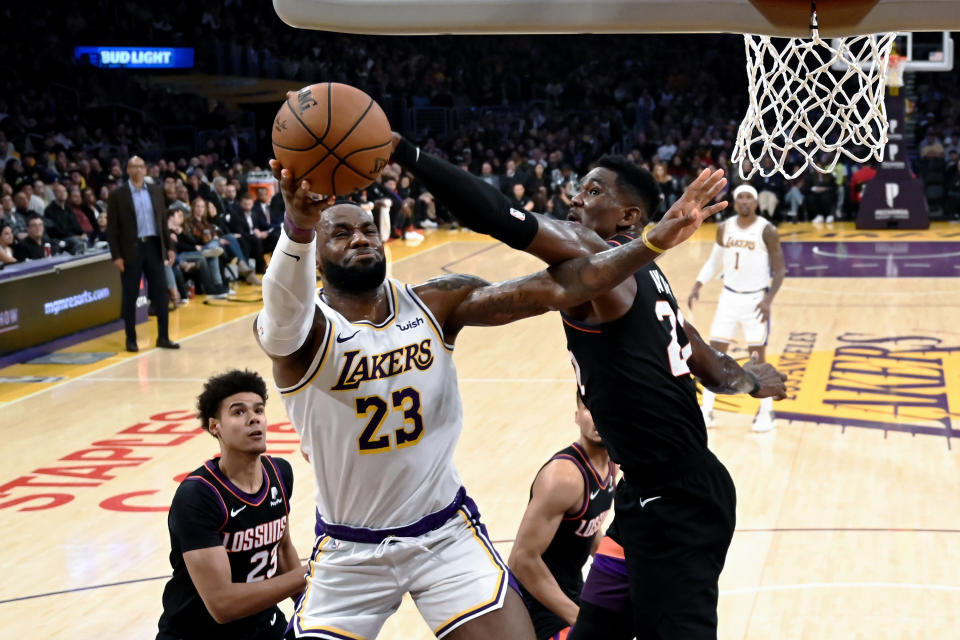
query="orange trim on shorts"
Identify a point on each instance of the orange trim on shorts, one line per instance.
(609, 547)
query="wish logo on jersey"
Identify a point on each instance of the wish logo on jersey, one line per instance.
(357, 368)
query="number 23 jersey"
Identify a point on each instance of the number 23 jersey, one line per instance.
(379, 414)
(634, 377)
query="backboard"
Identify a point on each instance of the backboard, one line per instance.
(765, 17)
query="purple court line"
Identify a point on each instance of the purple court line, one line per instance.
(446, 268)
(509, 541)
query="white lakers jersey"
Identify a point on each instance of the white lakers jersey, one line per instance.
(379, 414)
(746, 263)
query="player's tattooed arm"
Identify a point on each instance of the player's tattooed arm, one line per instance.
(563, 286)
(722, 374)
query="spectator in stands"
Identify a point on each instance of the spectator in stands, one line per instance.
(931, 146)
(89, 205)
(38, 201)
(198, 241)
(230, 203)
(21, 202)
(266, 220)
(253, 237)
(6, 244)
(13, 217)
(62, 224)
(794, 198)
(189, 260)
(821, 196)
(487, 175)
(87, 222)
(670, 187)
(858, 181)
(217, 195)
(519, 199)
(230, 243)
(36, 244)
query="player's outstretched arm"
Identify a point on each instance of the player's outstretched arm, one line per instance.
(558, 490)
(483, 208)
(289, 328)
(722, 374)
(462, 300)
(226, 600)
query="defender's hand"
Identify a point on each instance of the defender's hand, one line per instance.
(118, 263)
(685, 216)
(771, 381)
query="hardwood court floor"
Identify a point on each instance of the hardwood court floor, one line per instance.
(848, 514)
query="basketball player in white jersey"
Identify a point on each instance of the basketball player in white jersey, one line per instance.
(366, 374)
(748, 252)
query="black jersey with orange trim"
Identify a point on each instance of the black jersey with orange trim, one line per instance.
(634, 377)
(208, 511)
(571, 544)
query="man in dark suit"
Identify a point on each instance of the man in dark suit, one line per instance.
(253, 229)
(138, 244)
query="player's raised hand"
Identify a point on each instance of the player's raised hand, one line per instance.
(771, 381)
(693, 207)
(303, 207)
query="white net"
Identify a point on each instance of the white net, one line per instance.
(803, 114)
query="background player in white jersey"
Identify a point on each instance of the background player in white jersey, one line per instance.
(748, 253)
(366, 374)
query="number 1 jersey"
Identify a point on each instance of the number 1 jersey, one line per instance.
(635, 380)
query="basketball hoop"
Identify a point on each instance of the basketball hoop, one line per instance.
(803, 114)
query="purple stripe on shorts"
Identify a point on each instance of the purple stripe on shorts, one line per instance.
(426, 524)
(606, 584)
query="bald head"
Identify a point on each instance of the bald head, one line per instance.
(136, 170)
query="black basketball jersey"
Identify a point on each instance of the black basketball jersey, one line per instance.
(634, 377)
(208, 510)
(571, 544)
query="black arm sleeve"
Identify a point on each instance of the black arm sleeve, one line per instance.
(475, 203)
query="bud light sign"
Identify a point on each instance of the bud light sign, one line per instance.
(136, 57)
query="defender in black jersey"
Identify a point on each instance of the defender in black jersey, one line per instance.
(569, 500)
(230, 546)
(634, 356)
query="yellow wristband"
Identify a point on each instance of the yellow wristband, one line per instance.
(650, 245)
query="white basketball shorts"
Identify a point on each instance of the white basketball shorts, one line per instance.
(739, 311)
(453, 574)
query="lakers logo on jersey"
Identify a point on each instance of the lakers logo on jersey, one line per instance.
(357, 368)
(380, 413)
(740, 243)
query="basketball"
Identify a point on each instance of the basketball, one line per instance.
(333, 135)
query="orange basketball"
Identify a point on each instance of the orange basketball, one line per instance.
(333, 135)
